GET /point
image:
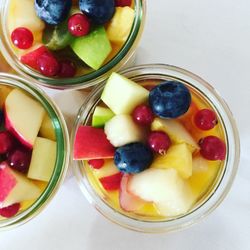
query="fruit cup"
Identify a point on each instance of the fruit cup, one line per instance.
(51, 56)
(34, 150)
(121, 198)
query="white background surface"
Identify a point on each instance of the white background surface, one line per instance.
(210, 38)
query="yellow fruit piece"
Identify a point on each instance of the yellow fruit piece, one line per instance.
(179, 157)
(47, 130)
(120, 25)
(4, 91)
(176, 131)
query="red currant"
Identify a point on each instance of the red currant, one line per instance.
(143, 115)
(96, 164)
(67, 69)
(122, 3)
(159, 142)
(10, 211)
(205, 119)
(19, 159)
(78, 25)
(212, 148)
(22, 38)
(48, 64)
(7, 142)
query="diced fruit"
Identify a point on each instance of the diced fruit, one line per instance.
(205, 119)
(122, 95)
(133, 158)
(23, 116)
(7, 142)
(100, 116)
(57, 37)
(48, 65)
(177, 133)
(96, 163)
(159, 142)
(4, 91)
(41, 167)
(53, 12)
(15, 187)
(123, 3)
(78, 25)
(143, 115)
(121, 130)
(171, 194)
(10, 211)
(212, 148)
(111, 182)
(92, 143)
(92, 48)
(67, 69)
(98, 11)
(23, 14)
(47, 130)
(120, 25)
(128, 201)
(170, 99)
(19, 159)
(1, 122)
(178, 157)
(22, 38)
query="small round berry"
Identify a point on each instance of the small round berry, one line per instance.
(123, 3)
(19, 159)
(48, 64)
(79, 25)
(143, 115)
(205, 119)
(67, 69)
(22, 38)
(7, 142)
(96, 163)
(159, 142)
(212, 148)
(10, 211)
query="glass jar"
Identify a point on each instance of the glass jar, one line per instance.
(62, 151)
(224, 179)
(124, 57)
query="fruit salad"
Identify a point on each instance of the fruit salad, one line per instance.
(63, 39)
(28, 150)
(152, 150)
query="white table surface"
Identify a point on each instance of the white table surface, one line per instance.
(212, 39)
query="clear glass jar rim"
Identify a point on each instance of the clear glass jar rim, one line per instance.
(160, 72)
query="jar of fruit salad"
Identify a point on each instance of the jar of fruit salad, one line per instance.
(155, 148)
(34, 150)
(70, 44)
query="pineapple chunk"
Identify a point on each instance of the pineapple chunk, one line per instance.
(176, 131)
(178, 157)
(120, 25)
(47, 130)
(4, 91)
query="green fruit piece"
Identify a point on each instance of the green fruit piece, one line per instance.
(57, 37)
(93, 48)
(101, 116)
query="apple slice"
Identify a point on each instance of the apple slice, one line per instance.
(100, 116)
(23, 116)
(128, 201)
(170, 193)
(112, 182)
(41, 167)
(47, 129)
(122, 95)
(176, 131)
(179, 157)
(92, 143)
(15, 187)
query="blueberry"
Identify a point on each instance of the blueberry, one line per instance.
(53, 11)
(99, 11)
(133, 158)
(1, 120)
(170, 99)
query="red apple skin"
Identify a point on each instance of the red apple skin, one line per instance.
(112, 182)
(128, 201)
(7, 181)
(92, 143)
(9, 126)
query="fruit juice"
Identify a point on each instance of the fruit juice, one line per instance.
(28, 150)
(68, 38)
(187, 160)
